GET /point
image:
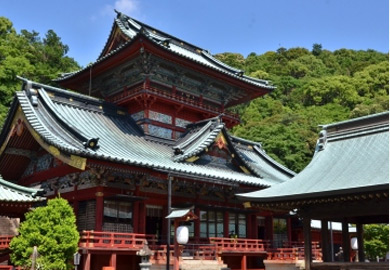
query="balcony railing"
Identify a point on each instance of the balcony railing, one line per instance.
(239, 244)
(216, 245)
(293, 251)
(5, 240)
(92, 239)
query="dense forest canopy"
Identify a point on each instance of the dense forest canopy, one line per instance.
(313, 87)
(28, 55)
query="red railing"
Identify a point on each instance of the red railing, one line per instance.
(239, 244)
(135, 90)
(6, 267)
(113, 240)
(5, 240)
(294, 251)
(92, 239)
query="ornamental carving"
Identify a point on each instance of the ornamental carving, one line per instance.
(154, 184)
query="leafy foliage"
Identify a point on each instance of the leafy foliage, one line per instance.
(376, 240)
(53, 230)
(313, 88)
(27, 55)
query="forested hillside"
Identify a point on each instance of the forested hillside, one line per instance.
(313, 87)
(26, 54)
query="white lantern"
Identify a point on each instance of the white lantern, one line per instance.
(182, 235)
(354, 243)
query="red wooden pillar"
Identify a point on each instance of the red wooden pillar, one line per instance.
(197, 225)
(165, 223)
(346, 241)
(135, 217)
(289, 230)
(176, 249)
(243, 263)
(113, 260)
(255, 227)
(142, 217)
(308, 246)
(269, 230)
(99, 209)
(248, 226)
(75, 201)
(359, 230)
(226, 224)
(87, 262)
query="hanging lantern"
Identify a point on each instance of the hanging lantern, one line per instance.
(182, 235)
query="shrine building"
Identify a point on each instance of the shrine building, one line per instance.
(139, 133)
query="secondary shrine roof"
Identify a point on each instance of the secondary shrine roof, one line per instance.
(10, 192)
(351, 157)
(74, 124)
(131, 29)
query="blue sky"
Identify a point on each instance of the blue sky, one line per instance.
(240, 26)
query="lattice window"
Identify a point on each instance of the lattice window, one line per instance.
(117, 216)
(86, 215)
(211, 224)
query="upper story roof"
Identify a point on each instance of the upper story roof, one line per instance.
(126, 30)
(10, 192)
(73, 125)
(351, 157)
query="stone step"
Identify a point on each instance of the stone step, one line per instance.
(201, 265)
(193, 264)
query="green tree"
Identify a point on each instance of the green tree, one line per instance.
(317, 49)
(26, 55)
(312, 88)
(52, 229)
(376, 240)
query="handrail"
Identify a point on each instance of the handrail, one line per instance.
(239, 244)
(199, 251)
(202, 251)
(294, 253)
(140, 88)
(5, 240)
(115, 240)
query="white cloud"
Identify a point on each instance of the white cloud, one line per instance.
(128, 7)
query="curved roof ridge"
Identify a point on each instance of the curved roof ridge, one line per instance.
(246, 141)
(87, 141)
(220, 63)
(271, 161)
(343, 167)
(355, 120)
(192, 137)
(205, 139)
(108, 39)
(179, 47)
(33, 192)
(40, 128)
(62, 91)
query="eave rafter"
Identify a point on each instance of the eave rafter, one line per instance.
(20, 152)
(377, 196)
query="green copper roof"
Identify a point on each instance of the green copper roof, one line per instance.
(352, 156)
(10, 192)
(70, 121)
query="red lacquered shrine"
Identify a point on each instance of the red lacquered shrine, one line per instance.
(145, 128)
